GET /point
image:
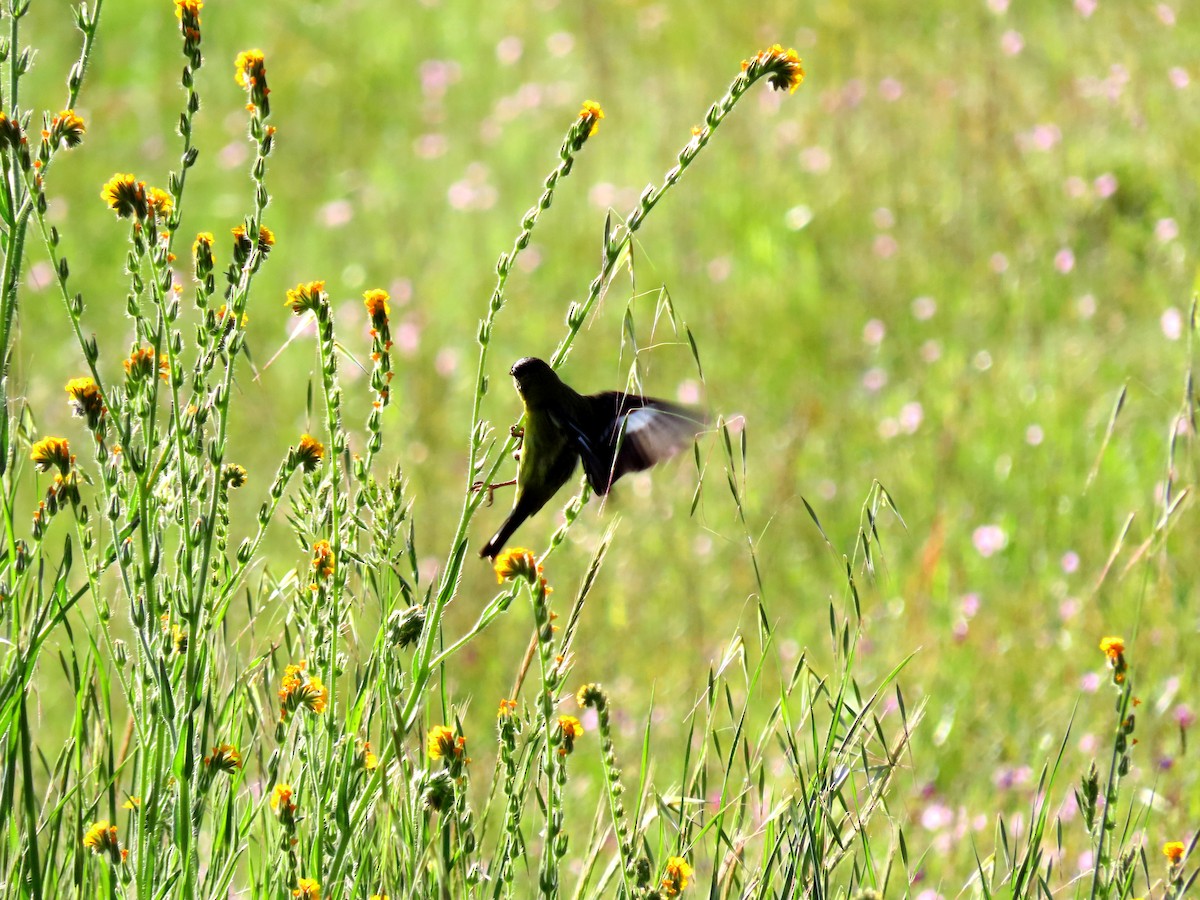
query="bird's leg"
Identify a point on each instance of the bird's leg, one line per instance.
(491, 488)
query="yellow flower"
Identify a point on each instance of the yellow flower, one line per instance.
(441, 743)
(307, 889)
(67, 128)
(10, 132)
(126, 196)
(367, 758)
(309, 453)
(202, 248)
(132, 802)
(160, 201)
(376, 301)
(235, 475)
(569, 728)
(783, 68)
(190, 8)
(1112, 647)
(379, 897)
(281, 800)
(322, 561)
(242, 244)
(299, 689)
(250, 72)
(306, 296)
(590, 115)
(1173, 851)
(51, 451)
(507, 708)
(516, 562)
(676, 877)
(248, 65)
(179, 639)
(225, 758)
(86, 401)
(101, 837)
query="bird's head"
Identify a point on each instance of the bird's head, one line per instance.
(536, 381)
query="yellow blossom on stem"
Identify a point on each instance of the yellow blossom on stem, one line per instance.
(441, 743)
(507, 708)
(86, 401)
(188, 8)
(1112, 647)
(322, 561)
(307, 889)
(517, 562)
(101, 837)
(299, 690)
(281, 800)
(569, 728)
(67, 128)
(676, 877)
(242, 244)
(590, 115)
(225, 758)
(126, 196)
(160, 201)
(309, 453)
(50, 452)
(250, 72)
(367, 758)
(132, 802)
(306, 296)
(1173, 851)
(783, 68)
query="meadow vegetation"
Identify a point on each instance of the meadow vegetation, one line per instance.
(913, 620)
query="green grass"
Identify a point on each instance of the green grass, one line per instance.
(910, 157)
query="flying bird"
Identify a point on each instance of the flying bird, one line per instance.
(613, 433)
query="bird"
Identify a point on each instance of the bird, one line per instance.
(612, 433)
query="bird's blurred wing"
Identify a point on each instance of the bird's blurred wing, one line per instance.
(625, 433)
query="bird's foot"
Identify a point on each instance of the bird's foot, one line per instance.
(490, 488)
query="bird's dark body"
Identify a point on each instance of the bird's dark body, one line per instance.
(613, 433)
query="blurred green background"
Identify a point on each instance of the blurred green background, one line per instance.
(935, 265)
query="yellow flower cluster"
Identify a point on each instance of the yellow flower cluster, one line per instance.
(300, 690)
(441, 743)
(306, 296)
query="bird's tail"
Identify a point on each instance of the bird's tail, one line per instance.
(518, 515)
